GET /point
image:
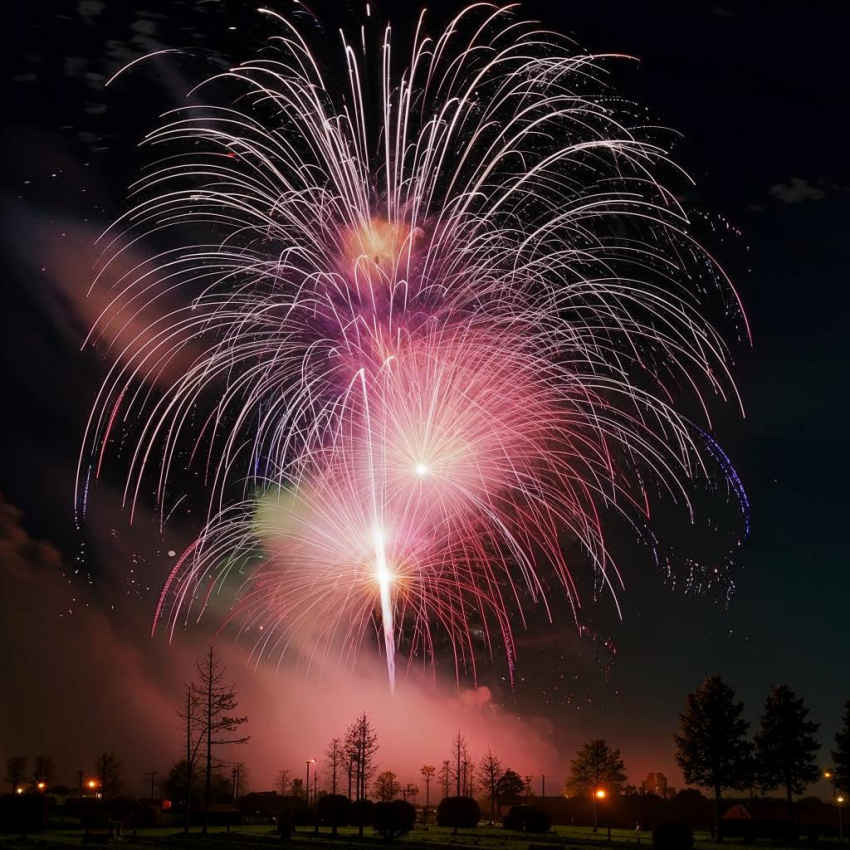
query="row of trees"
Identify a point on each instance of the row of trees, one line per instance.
(714, 750)
(105, 781)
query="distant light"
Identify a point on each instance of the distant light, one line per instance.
(41, 786)
(92, 783)
(171, 553)
(827, 774)
(840, 799)
(422, 469)
(19, 790)
(600, 794)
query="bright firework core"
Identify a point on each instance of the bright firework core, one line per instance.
(485, 283)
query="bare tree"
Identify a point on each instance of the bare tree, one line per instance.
(427, 772)
(335, 754)
(108, 767)
(491, 774)
(190, 715)
(16, 767)
(361, 744)
(42, 772)
(387, 787)
(218, 701)
(281, 782)
(446, 777)
(460, 756)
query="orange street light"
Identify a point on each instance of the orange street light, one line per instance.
(19, 790)
(601, 794)
(41, 786)
(827, 774)
(91, 783)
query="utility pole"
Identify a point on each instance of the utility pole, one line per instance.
(543, 781)
(153, 775)
(80, 778)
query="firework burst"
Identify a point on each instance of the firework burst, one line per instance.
(431, 341)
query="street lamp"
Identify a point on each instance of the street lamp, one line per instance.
(307, 789)
(41, 786)
(839, 800)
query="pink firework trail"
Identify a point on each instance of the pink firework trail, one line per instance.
(433, 342)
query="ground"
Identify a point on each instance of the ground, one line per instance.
(482, 838)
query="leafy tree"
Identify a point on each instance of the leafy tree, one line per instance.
(427, 772)
(596, 766)
(281, 782)
(16, 768)
(220, 726)
(711, 746)
(458, 812)
(491, 774)
(335, 754)
(841, 753)
(510, 785)
(108, 768)
(334, 809)
(43, 770)
(786, 746)
(296, 789)
(174, 785)
(393, 818)
(387, 787)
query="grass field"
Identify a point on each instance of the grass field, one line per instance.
(482, 838)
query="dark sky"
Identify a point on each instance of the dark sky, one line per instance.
(759, 91)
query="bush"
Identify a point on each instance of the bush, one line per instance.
(527, 819)
(362, 812)
(306, 816)
(459, 812)
(393, 819)
(673, 836)
(335, 810)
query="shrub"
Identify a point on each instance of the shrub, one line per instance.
(527, 819)
(394, 818)
(335, 810)
(362, 812)
(673, 836)
(459, 812)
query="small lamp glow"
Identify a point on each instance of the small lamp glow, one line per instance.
(601, 794)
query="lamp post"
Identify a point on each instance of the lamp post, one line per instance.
(599, 794)
(307, 787)
(839, 801)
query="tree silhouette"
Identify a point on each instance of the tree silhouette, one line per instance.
(510, 784)
(108, 768)
(281, 782)
(217, 702)
(335, 754)
(387, 787)
(491, 774)
(16, 768)
(711, 746)
(361, 744)
(193, 729)
(43, 770)
(841, 753)
(460, 756)
(596, 766)
(786, 746)
(297, 787)
(427, 772)
(446, 777)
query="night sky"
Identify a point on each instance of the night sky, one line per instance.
(759, 92)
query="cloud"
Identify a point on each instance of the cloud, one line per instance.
(72, 666)
(796, 190)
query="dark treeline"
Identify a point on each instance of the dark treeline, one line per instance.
(715, 748)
